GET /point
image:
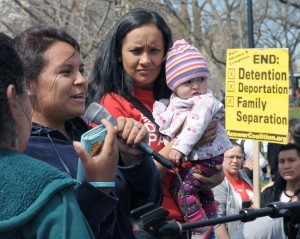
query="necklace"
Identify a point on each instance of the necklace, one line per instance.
(287, 194)
(60, 159)
(285, 197)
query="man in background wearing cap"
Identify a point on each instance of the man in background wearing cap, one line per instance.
(185, 117)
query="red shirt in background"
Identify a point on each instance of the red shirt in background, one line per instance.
(241, 187)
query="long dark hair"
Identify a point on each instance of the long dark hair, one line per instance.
(11, 73)
(32, 43)
(108, 74)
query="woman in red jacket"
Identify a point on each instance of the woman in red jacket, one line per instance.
(129, 75)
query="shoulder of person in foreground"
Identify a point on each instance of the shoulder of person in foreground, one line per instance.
(45, 194)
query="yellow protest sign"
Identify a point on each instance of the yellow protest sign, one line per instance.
(257, 91)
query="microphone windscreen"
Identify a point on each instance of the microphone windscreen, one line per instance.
(96, 113)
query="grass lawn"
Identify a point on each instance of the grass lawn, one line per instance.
(264, 183)
(294, 113)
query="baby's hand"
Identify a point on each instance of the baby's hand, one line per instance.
(175, 156)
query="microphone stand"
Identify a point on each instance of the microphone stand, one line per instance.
(152, 219)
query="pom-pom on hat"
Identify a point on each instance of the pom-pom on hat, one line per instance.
(184, 62)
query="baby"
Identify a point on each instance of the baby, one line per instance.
(185, 117)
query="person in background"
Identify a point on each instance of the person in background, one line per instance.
(288, 179)
(273, 148)
(37, 200)
(285, 189)
(270, 228)
(187, 74)
(221, 95)
(248, 149)
(294, 132)
(261, 228)
(129, 75)
(235, 189)
(291, 226)
(57, 87)
(248, 163)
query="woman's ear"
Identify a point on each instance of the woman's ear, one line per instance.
(12, 100)
(11, 97)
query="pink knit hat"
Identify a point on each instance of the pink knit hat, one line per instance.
(184, 62)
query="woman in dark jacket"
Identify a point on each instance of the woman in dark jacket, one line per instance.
(288, 180)
(54, 74)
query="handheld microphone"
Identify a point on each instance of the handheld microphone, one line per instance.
(96, 113)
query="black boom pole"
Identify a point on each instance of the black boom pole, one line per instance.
(250, 24)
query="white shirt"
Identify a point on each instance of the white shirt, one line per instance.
(248, 150)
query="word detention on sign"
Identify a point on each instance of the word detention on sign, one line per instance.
(257, 91)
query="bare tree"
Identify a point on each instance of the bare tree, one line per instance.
(292, 3)
(280, 29)
(87, 20)
(212, 26)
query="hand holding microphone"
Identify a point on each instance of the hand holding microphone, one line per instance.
(133, 134)
(130, 134)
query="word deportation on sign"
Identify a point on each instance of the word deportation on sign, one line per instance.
(257, 91)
